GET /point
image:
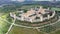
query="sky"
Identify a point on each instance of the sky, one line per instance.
(32, 0)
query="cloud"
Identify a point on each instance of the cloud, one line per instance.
(32, 0)
(21, 0)
(18, 0)
(13, 0)
(41, 0)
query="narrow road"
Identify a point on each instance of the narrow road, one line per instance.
(31, 27)
(11, 26)
(36, 27)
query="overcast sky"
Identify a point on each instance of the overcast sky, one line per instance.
(32, 0)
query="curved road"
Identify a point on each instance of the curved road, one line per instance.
(30, 27)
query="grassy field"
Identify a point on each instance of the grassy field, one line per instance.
(29, 6)
(20, 30)
(3, 24)
(57, 32)
(56, 9)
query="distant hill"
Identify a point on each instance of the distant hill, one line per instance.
(42, 3)
(31, 2)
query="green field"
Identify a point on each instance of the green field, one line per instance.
(20, 30)
(3, 24)
(57, 32)
(56, 9)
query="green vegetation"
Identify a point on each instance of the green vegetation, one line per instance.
(48, 29)
(4, 14)
(20, 30)
(56, 9)
(57, 32)
(3, 24)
